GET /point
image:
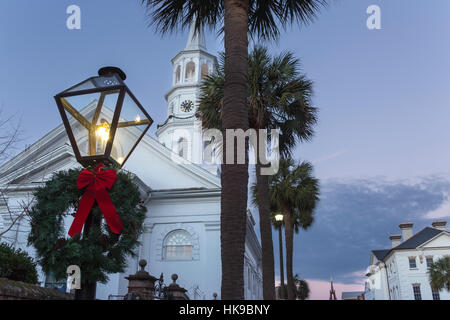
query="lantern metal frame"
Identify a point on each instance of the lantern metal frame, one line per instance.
(122, 89)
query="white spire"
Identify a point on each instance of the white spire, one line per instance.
(196, 39)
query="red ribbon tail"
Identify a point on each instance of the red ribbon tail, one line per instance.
(86, 203)
(109, 211)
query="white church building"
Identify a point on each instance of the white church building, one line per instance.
(401, 272)
(182, 197)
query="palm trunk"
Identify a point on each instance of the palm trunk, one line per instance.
(234, 176)
(265, 227)
(289, 235)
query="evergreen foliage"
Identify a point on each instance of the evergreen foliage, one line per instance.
(99, 253)
(17, 265)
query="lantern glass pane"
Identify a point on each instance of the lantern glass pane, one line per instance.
(90, 118)
(80, 111)
(85, 85)
(103, 119)
(132, 123)
(80, 133)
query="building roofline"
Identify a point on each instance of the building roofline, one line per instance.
(396, 248)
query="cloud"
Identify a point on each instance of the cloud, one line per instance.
(355, 216)
(443, 211)
(356, 277)
(329, 156)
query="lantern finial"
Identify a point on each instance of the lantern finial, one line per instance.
(112, 70)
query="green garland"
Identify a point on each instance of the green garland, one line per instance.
(99, 253)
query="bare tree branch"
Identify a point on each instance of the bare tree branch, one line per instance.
(9, 137)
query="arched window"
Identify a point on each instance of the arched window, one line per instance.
(205, 71)
(177, 245)
(190, 70)
(178, 74)
(183, 147)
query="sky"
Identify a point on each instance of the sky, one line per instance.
(381, 144)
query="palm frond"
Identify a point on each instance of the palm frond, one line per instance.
(266, 17)
(171, 15)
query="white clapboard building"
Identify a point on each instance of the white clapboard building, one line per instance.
(401, 272)
(183, 198)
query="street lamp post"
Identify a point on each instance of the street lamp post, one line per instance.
(104, 122)
(279, 220)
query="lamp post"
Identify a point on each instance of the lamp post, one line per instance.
(279, 220)
(104, 122)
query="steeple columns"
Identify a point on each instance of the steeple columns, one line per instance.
(191, 68)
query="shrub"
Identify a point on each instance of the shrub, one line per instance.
(17, 265)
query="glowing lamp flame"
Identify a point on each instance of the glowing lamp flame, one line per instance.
(103, 132)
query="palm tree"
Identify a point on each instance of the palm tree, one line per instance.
(294, 192)
(440, 274)
(261, 19)
(279, 98)
(301, 288)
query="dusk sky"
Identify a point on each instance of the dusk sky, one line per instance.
(381, 145)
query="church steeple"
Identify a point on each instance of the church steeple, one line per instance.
(332, 292)
(190, 67)
(196, 39)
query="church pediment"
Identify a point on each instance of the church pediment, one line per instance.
(441, 240)
(154, 164)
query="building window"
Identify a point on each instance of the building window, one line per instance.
(429, 261)
(205, 71)
(209, 151)
(190, 70)
(416, 290)
(178, 74)
(435, 294)
(412, 263)
(178, 246)
(182, 148)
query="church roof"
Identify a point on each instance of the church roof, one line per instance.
(152, 162)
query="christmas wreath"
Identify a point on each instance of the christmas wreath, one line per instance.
(101, 251)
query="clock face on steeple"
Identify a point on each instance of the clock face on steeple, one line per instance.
(187, 106)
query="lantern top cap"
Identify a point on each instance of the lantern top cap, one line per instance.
(112, 70)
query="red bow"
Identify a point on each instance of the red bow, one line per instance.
(97, 181)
